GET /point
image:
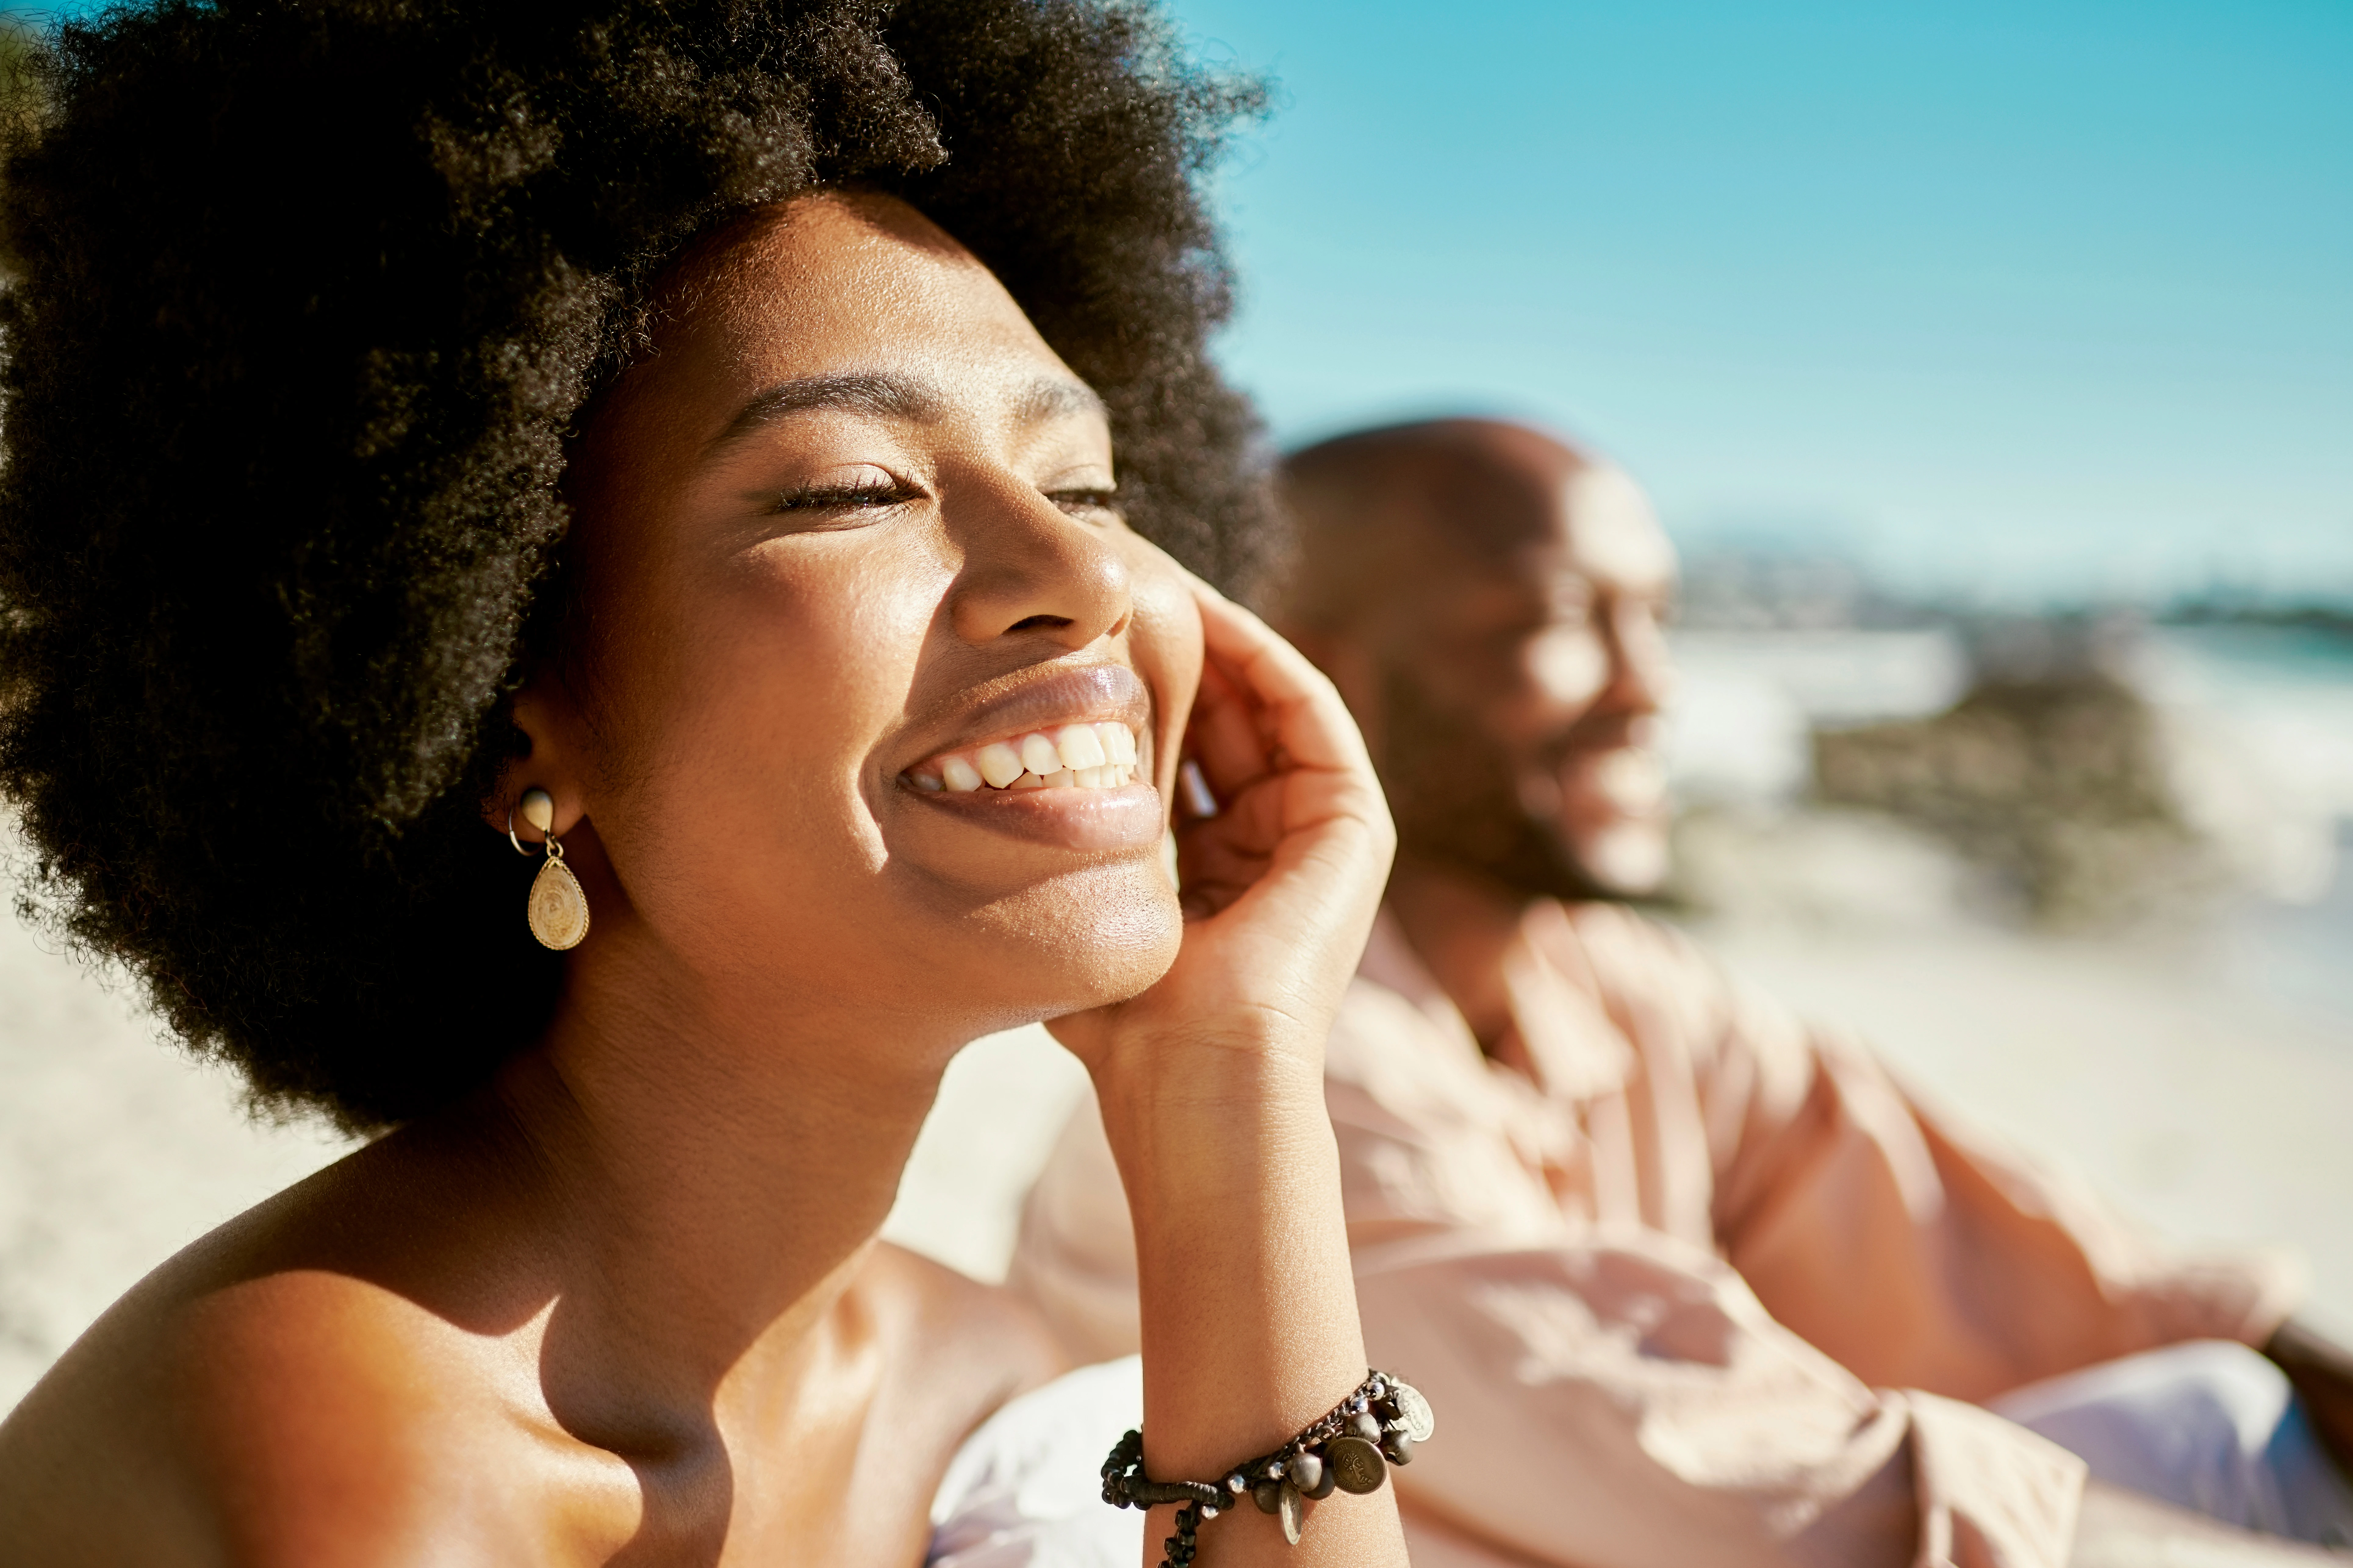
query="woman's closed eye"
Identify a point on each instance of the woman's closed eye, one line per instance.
(850, 503)
(1085, 501)
(859, 502)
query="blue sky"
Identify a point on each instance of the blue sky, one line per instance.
(2010, 301)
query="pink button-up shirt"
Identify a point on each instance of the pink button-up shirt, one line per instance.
(1694, 1285)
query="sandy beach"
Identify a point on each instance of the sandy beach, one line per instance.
(2146, 1069)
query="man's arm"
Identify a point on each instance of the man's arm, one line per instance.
(2119, 1529)
(2321, 1371)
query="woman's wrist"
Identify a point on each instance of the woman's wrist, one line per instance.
(1196, 1122)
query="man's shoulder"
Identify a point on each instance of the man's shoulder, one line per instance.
(1665, 990)
(1629, 949)
(1383, 1027)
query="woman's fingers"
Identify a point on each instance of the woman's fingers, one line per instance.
(1287, 707)
(1282, 755)
(1219, 858)
(1281, 885)
(1223, 735)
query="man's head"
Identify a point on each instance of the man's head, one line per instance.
(1489, 600)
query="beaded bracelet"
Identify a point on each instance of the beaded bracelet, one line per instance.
(1350, 1450)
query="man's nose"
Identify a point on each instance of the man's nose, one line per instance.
(1031, 567)
(1642, 665)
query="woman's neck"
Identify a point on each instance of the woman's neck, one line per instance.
(716, 1168)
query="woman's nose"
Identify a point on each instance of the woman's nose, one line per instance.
(1031, 567)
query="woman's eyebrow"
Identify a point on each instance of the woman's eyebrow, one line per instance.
(1054, 396)
(891, 397)
(887, 396)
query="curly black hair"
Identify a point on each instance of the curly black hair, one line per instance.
(306, 299)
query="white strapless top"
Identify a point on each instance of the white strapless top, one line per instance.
(1026, 1489)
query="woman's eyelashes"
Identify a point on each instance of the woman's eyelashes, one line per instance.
(867, 494)
(1084, 499)
(853, 504)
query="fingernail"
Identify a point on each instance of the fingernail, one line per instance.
(1194, 790)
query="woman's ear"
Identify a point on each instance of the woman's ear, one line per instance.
(546, 763)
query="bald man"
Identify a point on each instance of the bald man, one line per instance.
(1687, 1282)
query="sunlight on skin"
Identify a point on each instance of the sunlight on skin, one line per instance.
(853, 517)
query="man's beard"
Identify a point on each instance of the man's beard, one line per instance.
(1457, 802)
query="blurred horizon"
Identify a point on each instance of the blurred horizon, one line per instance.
(2015, 307)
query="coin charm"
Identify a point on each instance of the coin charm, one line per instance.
(559, 910)
(1412, 1409)
(1356, 1465)
(1294, 1514)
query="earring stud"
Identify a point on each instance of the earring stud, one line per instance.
(557, 909)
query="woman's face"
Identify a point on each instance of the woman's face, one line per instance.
(847, 544)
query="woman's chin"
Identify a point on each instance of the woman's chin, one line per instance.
(1082, 940)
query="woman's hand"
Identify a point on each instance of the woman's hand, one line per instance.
(1279, 887)
(1211, 1086)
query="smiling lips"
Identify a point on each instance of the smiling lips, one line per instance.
(1074, 756)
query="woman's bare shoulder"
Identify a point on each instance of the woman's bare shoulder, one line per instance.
(310, 1386)
(262, 1400)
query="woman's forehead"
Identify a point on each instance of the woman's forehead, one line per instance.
(855, 304)
(843, 275)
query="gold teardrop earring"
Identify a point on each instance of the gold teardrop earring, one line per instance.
(558, 908)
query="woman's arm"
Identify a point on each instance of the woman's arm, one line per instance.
(1211, 1086)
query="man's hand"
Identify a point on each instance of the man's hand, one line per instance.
(2322, 1373)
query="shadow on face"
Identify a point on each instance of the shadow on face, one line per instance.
(1491, 603)
(853, 520)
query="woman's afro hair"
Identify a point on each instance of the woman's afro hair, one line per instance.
(304, 300)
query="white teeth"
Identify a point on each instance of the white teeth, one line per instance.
(1037, 753)
(1080, 756)
(999, 764)
(1080, 747)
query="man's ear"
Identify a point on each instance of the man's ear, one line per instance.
(546, 763)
